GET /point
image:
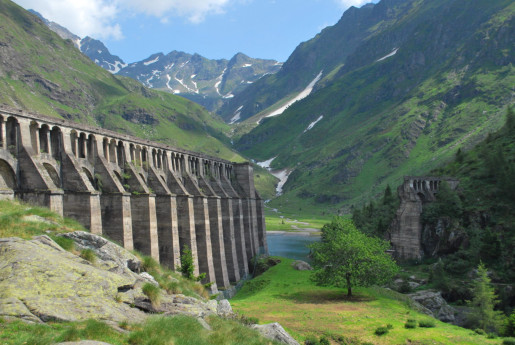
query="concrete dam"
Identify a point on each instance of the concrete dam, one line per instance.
(144, 195)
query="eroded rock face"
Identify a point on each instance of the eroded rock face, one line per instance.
(114, 258)
(275, 331)
(53, 284)
(40, 282)
(434, 301)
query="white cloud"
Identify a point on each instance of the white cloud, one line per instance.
(98, 18)
(82, 17)
(357, 3)
(194, 10)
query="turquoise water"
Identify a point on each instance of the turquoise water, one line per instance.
(290, 245)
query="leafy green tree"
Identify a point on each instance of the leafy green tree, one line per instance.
(346, 257)
(483, 314)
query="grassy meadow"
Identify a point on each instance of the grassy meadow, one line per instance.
(304, 309)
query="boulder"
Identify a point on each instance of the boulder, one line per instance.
(276, 332)
(112, 257)
(300, 265)
(224, 308)
(434, 301)
(41, 282)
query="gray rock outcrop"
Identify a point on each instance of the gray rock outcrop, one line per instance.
(40, 282)
(275, 331)
(434, 301)
(300, 265)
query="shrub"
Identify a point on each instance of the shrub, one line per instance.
(152, 292)
(187, 268)
(149, 264)
(88, 254)
(491, 336)
(480, 331)
(410, 323)
(381, 331)
(389, 326)
(426, 323)
(508, 341)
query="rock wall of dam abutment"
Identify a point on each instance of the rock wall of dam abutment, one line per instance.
(146, 196)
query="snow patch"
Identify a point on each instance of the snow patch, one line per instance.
(247, 65)
(282, 174)
(168, 83)
(229, 95)
(169, 66)
(394, 51)
(303, 94)
(146, 63)
(193, 76)
(266, 164)
(312, 124)
(186, 86)
(219, 81)
(118, 65)
(235, 118)
(99, 51)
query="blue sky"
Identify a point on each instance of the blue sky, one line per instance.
(135, 29)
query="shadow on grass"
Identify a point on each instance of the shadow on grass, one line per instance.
(322, 297)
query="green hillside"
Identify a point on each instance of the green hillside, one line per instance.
(325, 53)
(43, 73)
(446, 87)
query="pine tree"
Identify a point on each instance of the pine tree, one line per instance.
(483, 314)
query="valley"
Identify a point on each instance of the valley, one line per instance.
(395, 125)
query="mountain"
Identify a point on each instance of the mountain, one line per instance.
(98, 52)
(425, 78)
(207, 82)
(92, 48)
(318, 57)
(41, 72)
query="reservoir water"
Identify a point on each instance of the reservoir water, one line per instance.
(290, 245)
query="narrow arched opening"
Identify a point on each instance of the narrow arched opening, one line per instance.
(7, 176)
(56, 140)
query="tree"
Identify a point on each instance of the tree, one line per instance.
(483, 314)
(187, 268)
(346, 257)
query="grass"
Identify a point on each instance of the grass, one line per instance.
(157, 330)
(287, 296)
(274, 221)
(16, 221)
(152, 292)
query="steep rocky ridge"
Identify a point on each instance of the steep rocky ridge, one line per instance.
(435, 76)
(206, 82)
(325, 53)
